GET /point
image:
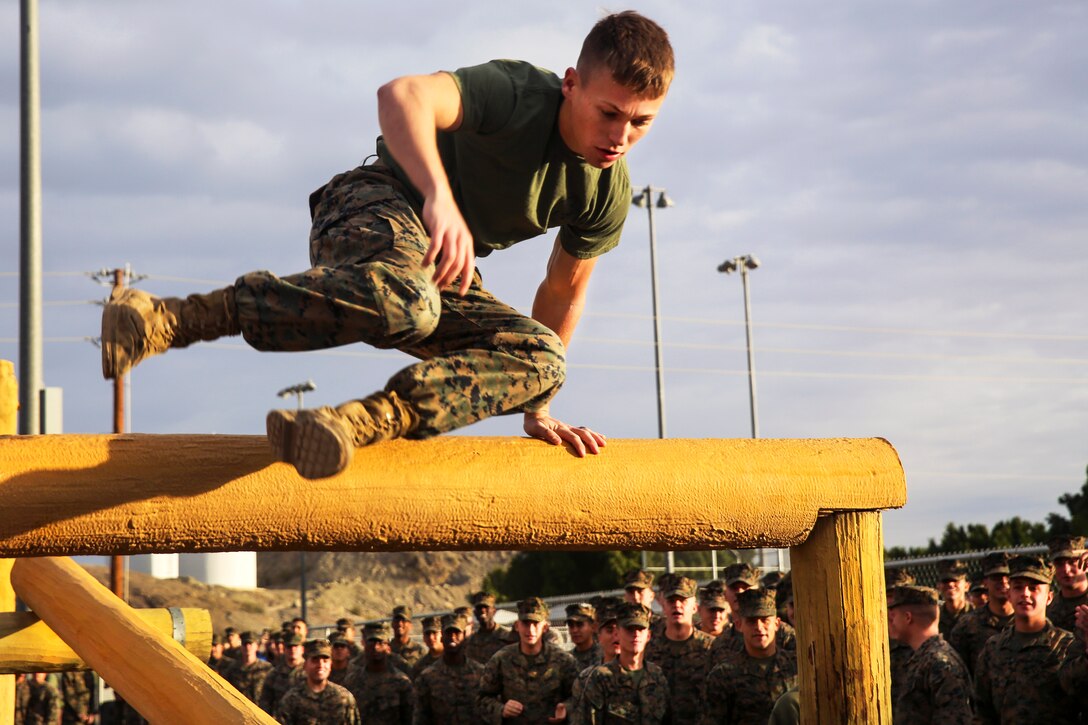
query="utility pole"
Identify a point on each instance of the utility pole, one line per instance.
(117, 563)
(30, 223)
(298, 391)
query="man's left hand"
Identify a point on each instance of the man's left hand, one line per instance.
(548, 429)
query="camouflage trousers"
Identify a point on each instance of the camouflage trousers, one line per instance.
(479, 357)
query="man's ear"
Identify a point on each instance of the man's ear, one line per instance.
(571, 80)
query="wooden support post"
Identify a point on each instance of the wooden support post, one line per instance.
(155, 674)
(842, 621)
(9, 419)
(27, 644)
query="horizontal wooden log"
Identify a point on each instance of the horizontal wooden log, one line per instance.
(27, 644)
(130, 494)
(156, 675)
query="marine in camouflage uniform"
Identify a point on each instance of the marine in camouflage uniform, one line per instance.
(1067, 555)
(937, 686)
(43, 704)
(247, 674)
(606, 610)
(743, 689)
(580, 623)
(899, 653)
(77, 693)
(342, 666)
(446, 691)
(402, 643)
(315, 700)
(1017, 676)
(22, 698)
(284, 674)
(685, 660)
(952, 581)
(539, 681)
(432, 637)
(976, 627)
(490, 636)
(384, 694)
(731, 640)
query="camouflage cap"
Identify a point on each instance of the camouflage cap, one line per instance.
(712, 599)
(911, 594)
(249, 638)
(581, 612)
(465, 612)
(638, 579)
(533, 609)
(482, 598)
(951, 570)
(276, 636)
(715, 584)
(1031, 567)
(401, 611)
(681, 586)
(629, 614)
(432, 624)
(977, 586)
(344, 623)
(771, 579)
(339, 638)
(607, 609)
(459, 622)
(377, 630)
(229, 631)
(667, 581)
(897, 577)
(292, 639)
(1066, 547)
(756, 603)
(996, 562)
(317, 648)
(741, 573)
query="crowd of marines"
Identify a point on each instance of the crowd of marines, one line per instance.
(1007, 648)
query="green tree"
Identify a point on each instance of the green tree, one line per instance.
(555, 573)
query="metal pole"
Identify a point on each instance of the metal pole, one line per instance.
(30, 225)
(659, 366)
(751, 352)
(117, 563)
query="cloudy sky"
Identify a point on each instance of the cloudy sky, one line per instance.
(912, 176)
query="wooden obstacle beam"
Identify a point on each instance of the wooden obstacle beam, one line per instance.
(27, 644)
(156, 675)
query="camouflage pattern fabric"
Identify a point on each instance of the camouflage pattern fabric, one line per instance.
(538, 682)
(949, 619)
(281, 679)
(611, 695)
(1073, 675)
(332, 706)
(384, 698)
(423, 663)
(22, 701)
(1017, 678)
(339, 677)
(685, 664)
(731, 640)
(43, 704)
(483, 644)
(76, 690)
(899, 654)
(787, 709)
(479, 356)
(973, 631)
(219, 666)
(590, 657)
(248, 679)
(742, 690)
(446, 694)
(937, 687)
(1061, 610)
(411, 653)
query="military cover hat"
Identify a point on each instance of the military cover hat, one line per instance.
(1031, 567)
(432, 624)
(712, 598)
(772, 579)
(582, 612)
(344, 623)
(742, 572)
(607, 609)
(292, 639)
(912, 594)
(667, 581)
(996, 562)
(951, 570)
(465, 612)
(483, 598)
(1066, 547)
(715, 584)
(377, 630)
(897, 577)
(317, 648)
(339, 638)
(977, 586)
(229, 631)
(455, 621)
(681, 586)
(638, 579)
(756, 603)
(249, 638)
(630, 614)
(533, 609)
(402, 612)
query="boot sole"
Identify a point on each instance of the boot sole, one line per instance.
(314, 446)
(280, 429)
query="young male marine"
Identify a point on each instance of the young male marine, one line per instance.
(469, 162)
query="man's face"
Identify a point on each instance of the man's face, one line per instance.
(580, 631)
(896, 623)
(713, 619)
(733, 591)
(234, 640)
(485, 614)
(402, 627)
(317, 669)
(530, 632)
(978, 598)
(299, 627)
(608, 636)
(1069, 572)
(376, 650)
(759, 632)
(249, 651)
(217, 650)
(954, 591)
(639, 595)
(341, 653)
(1029, 599)
(605, 119)
(680, 609)
(997, 587)
(293, 655)
(453, 639)
(633, 639)
(431, 639)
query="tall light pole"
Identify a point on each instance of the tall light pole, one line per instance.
(743, 264)
(644, 200)
(298, 390)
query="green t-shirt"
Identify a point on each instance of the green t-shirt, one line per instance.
(512, 175)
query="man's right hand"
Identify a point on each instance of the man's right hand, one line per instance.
(452, 250)
(512, 708)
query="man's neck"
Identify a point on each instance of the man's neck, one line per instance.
(584, 646)
(1001, 609)
(376, 666)
(1028, 625)
(631, 661)
(317, 687)
(761, 654)
(403, 640)
(918, 637)
(339, 665)
(1075, 590)
(952, 606)
(454, 658)
(679, 631)
(531, 650)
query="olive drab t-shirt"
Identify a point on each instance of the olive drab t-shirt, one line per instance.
(512, 175)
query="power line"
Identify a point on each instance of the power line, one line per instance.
(996, 476)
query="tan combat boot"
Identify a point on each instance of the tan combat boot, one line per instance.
(136, 325)
(321, 442)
